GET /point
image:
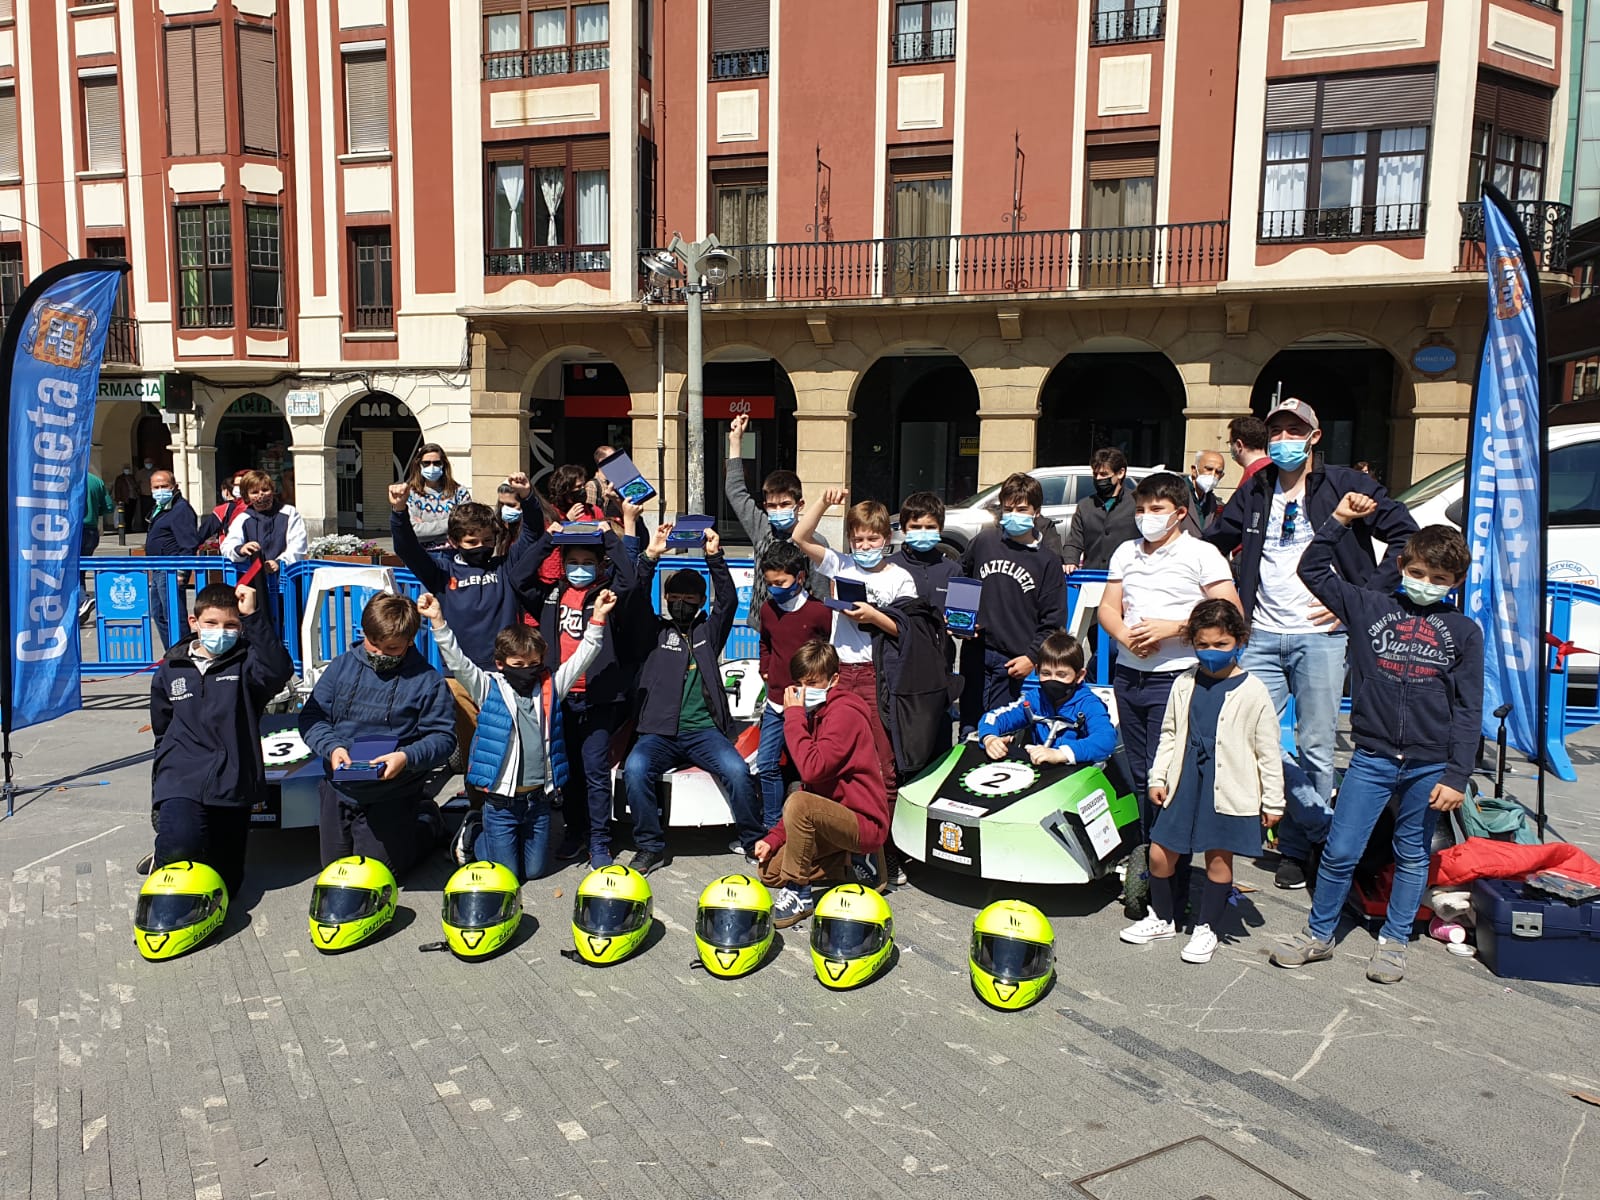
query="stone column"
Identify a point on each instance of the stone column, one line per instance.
(671, 481)
(499, 439)
(1008, 416)
(1218, 390)
(1432, 433)
(316, 492)
(822, 436)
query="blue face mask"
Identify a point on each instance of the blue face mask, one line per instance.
(218, 641)
(815, 696)
(1217, 662)
(1289, 454)
(432, 473)
(868, 560)
(922, 539)
(162, 496)
(580, 574)
(1016, 523)
(784, 594)
(781, 518)
(509, 514)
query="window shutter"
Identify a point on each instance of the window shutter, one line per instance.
(102, 123)
(1122, 162)
(1514, 107)
(180, 92)
(1375, 101)
(593, 154)
(1291, 105)
(258, 80)
(739, 25)
(210, 100)
(8, 10)
(547, 154)
(366, 78)
(10, 154)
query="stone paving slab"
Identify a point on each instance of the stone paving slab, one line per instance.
(257, 1067)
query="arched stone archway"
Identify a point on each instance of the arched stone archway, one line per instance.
(374, 435)
(1116, 393)
(251, 434)
(915, 428)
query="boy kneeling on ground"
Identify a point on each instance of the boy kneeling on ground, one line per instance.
(829, 734)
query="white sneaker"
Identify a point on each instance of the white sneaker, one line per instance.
(1201, 946)
(1151, 929)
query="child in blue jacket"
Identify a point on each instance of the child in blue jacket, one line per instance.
(1058, 717)
(519, 755)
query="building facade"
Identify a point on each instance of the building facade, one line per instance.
(975, 235)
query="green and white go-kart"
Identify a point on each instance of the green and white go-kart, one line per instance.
(1012, 820)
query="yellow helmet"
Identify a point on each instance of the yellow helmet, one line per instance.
(482, 909)
(352, 899)
(611, 914)
(1013, 955)
(852, 935)
(180, 906)
(733, 928)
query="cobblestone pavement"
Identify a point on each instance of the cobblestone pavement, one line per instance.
(258, 1068)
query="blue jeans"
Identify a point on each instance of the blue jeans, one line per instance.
(1370, 782)
(655, 754)
(1141, 704)
(516, 834)
(1309, 667)
(769, 764)
(587, 806)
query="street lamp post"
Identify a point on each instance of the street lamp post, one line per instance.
(701, 267)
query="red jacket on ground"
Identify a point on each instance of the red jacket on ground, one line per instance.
(835, 754)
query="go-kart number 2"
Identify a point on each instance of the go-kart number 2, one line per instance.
(999, 779)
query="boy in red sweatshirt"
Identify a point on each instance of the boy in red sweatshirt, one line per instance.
(843, 807)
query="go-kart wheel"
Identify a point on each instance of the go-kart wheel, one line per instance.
(1136, 887)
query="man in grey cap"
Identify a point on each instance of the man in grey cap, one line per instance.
(1297, 647)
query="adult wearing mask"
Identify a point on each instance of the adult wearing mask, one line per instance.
(266, 537)
(216, 523)
(1103, 522)
(1204, 476)
(174, 532)
(1297, 647)
(432, 494)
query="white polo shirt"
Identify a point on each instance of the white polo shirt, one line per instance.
(887, 584)
(1164, 585)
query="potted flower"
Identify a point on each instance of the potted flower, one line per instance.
(343, 547)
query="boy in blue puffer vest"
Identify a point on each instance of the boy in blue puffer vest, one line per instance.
(519, 755)
(1058, 718)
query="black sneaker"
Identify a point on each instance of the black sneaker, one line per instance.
(145, 865)
(571, 850)
(1290, 875)
(645, 861)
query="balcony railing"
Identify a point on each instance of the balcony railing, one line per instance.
(1146, 23)
(741, 64)
(122, 341)
(995, 264)
(1358, 223)
(1547, 224)
(557, 60)
(937, 45)
(549, 260)
(373, 318)
(205, 316)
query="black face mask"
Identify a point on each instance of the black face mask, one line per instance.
(1106, 488)
(478, 556)
(1057, 691)
(522, 679)
(683, 612)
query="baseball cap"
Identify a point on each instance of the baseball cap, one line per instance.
(1298, 409)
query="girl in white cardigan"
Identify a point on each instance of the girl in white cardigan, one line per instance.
(1217, 777)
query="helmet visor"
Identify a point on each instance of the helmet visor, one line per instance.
(477, 910)
(163, 914)
(336, 905)
(1011, 959)
(732, 928)
(607, 914)
(833, 938)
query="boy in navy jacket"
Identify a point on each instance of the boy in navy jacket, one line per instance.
(1416, 709)
(205, 711)
(683, 715)
(380, 689)
(1058, 718)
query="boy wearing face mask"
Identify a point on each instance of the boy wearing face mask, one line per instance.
(930, 568)
(683, 716)
(842, 808)
(792, 618)
(768, 522)
(1058, 719)
(519, 753)
(1416, 711)
(205, 710)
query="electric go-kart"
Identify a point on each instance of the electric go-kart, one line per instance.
(1011, 820)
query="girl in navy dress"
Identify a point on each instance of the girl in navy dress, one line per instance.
(1217, 777)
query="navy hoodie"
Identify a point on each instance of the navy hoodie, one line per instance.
(208, 726)
(478, 602)
(1024, 596)
(1416, 671)
(608, 679)
(666, 651)
(352, 701)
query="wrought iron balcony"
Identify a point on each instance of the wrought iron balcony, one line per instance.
(546, 260)
(1139, 23)
(915, 46)
(981, 264)
(122, 341)
(1547, 224)
(1358, 223)
(557, 60)
(741, 64)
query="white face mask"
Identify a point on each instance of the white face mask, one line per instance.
(1422, 592)
(815, 696)
(1154, 526)
(1204, 482)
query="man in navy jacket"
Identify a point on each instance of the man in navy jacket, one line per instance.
(174, 531)
(1297, 647)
